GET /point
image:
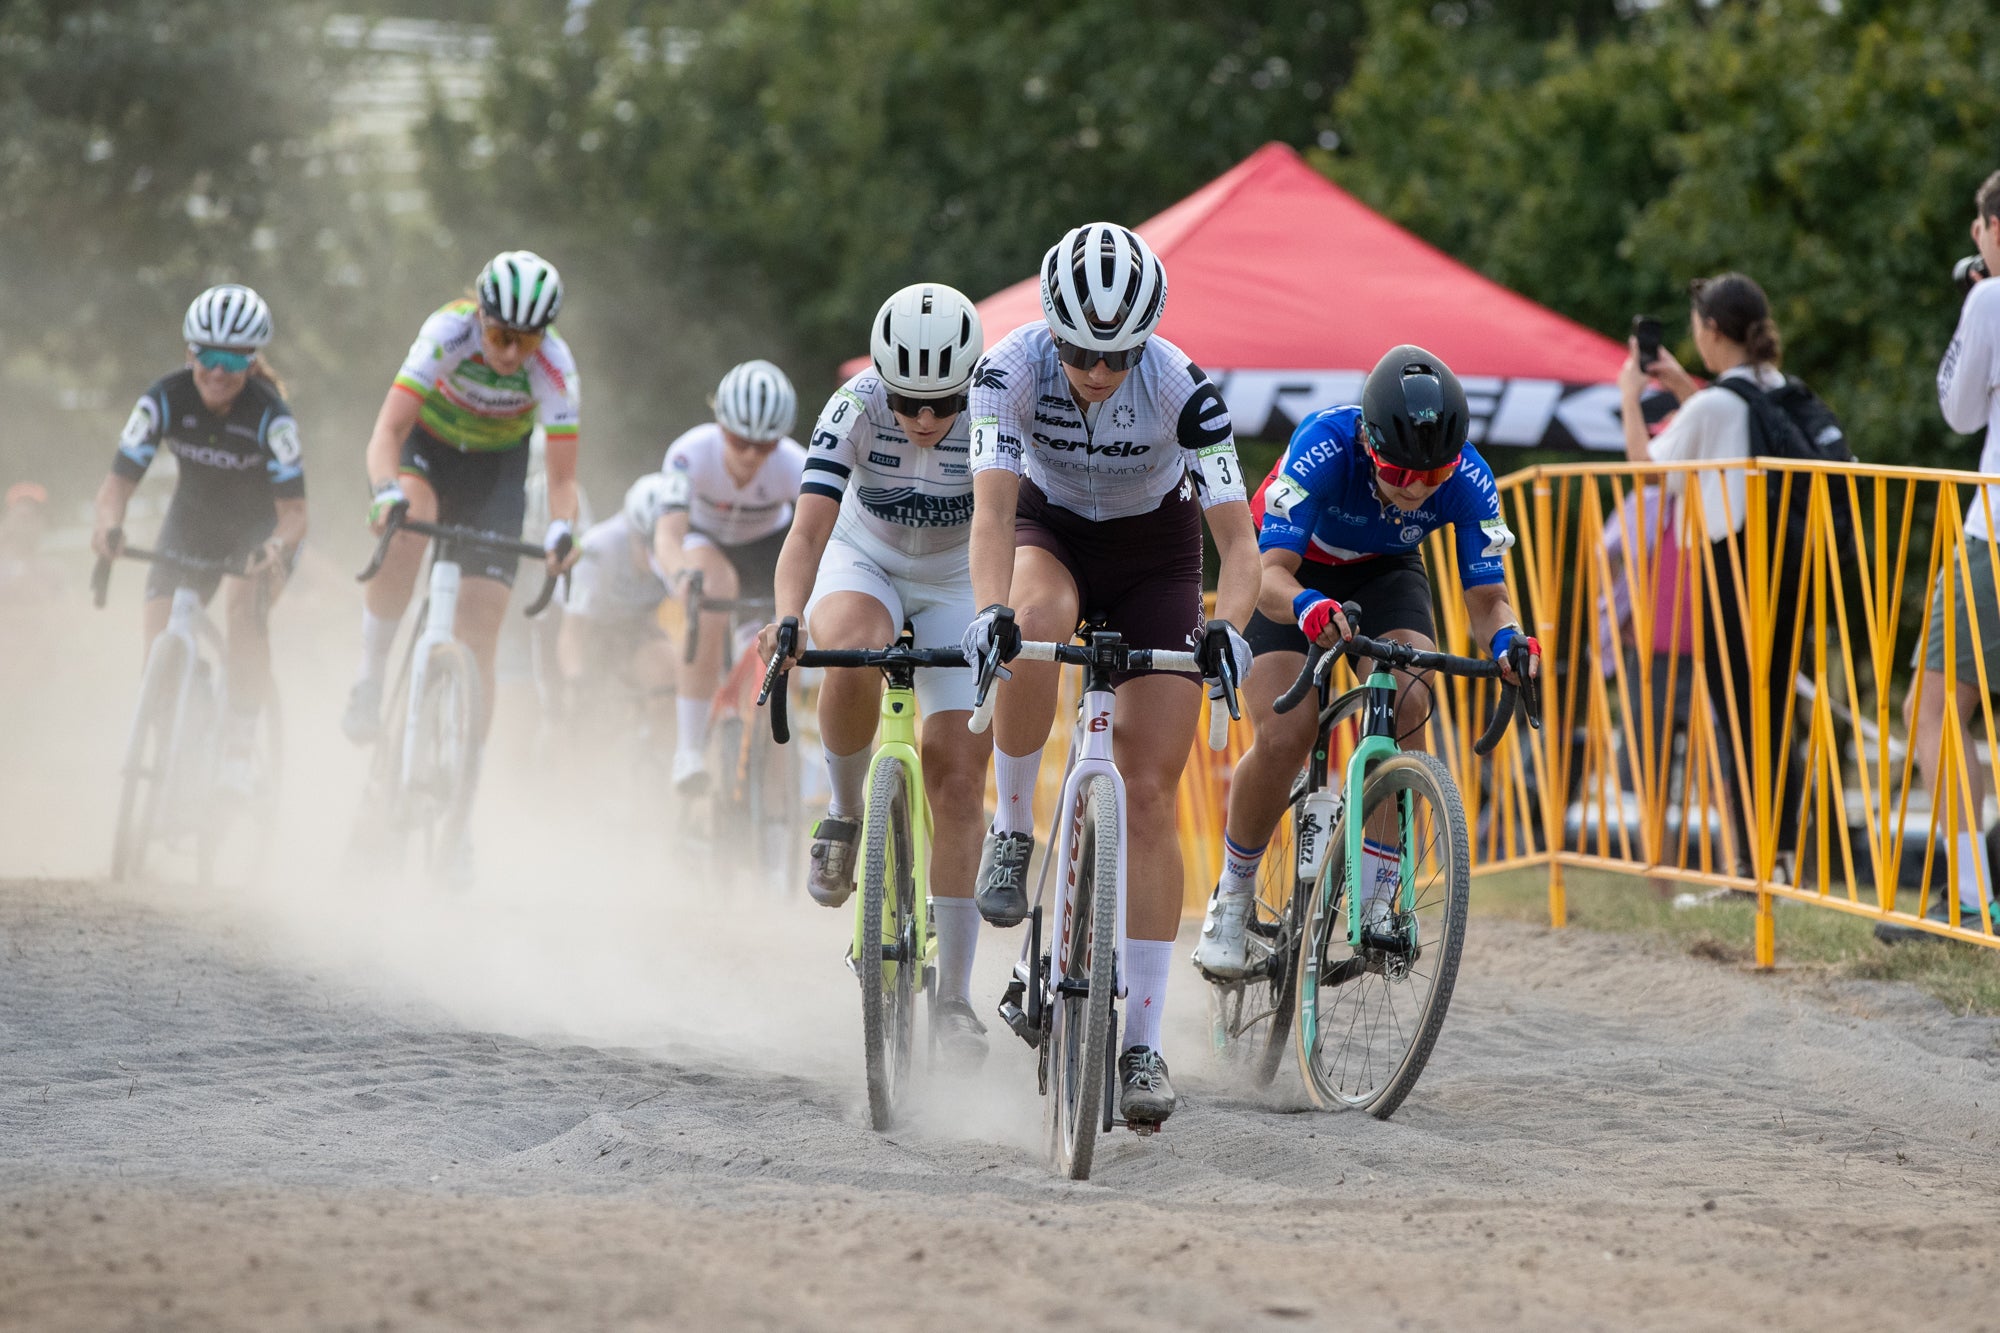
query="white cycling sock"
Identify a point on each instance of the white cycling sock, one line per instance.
(1014, 777)
(1147, 963)
(1971, 870)
(1239, 868)
(378, 636)
(693, 717)
(957, 923)
(848, 774)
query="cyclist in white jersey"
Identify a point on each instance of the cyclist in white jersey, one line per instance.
(730, 487)
(610, 626)
(880, 539)
(1091, 439)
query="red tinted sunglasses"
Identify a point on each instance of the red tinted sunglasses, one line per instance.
(1392, 475)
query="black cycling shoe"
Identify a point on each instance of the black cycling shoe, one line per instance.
(1002, 886)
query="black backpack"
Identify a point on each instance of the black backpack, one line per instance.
(1792, 421)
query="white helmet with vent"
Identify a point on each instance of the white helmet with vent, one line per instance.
(520, 290)
(230, 315)
(756, 402)
(1103, 288)
(925, 340)
(644, 501)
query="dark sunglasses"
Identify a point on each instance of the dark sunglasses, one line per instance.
(1083, 358)
(221, 358)
(949, 405)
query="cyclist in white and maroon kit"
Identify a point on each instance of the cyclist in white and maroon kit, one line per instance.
(730, 487)
(880, 539)
(1097, 449)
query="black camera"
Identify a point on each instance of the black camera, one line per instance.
(1968, 271)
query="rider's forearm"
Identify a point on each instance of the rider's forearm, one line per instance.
(995, 496)
(668, 539)
(798, 559)
(1239, 579)
(392, 427)
(560, 460)
(1279, 586)
(291, 526)
(112, 498)
(1488, 609)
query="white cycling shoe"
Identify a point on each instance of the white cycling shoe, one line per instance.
(1223, 952)
(690, 771)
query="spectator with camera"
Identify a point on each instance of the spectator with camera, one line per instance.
(1968, 383)
(1729, 320)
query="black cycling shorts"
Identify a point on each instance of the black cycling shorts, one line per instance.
(486, 490)
(1140, 575)
(1393, 591)
(755, 563)
(198, 530)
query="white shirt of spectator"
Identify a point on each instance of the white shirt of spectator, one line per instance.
(1713, 425)
(718, 509)
(1969, 390)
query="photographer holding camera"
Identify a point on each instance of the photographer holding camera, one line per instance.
(1968, 383)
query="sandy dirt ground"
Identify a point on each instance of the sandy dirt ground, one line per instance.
(596, 1092)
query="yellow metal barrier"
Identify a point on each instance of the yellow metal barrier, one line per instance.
(1824, 579)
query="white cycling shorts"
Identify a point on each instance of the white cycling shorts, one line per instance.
(937, 613)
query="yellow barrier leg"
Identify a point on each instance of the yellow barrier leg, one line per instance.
(1558, 896)
(1767, 933)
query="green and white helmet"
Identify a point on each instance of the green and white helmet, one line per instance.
(520, 290)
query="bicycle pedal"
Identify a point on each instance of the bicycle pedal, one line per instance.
(1015, 1017)
(1144, 1129)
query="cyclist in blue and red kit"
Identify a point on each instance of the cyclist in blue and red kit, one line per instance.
(1343, 517)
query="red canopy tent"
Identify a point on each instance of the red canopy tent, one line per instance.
(1287, 289)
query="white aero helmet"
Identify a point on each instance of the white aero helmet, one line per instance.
(925, 341)
(644, 501)
(230, 315)
(756, 402)
(1103, 288)
(520, 290)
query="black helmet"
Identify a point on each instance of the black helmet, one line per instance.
(1414, 410)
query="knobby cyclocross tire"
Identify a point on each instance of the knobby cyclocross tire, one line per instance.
(1082, 1028)
(888, 963)
(1371, 1031)
(447, 760)
(1281, 982)
(149, 752)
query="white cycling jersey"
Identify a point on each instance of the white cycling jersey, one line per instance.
(611, 580)
(1125, 454)
(699, 484)
(899, 503)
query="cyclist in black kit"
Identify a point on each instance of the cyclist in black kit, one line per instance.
(241, 492)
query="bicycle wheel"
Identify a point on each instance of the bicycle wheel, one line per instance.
(1251, 1020)
(149, 754)
(888, 963)
(445, 768)
(1081, 1034)
(1367, 1018)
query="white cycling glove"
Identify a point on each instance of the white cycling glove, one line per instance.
(986, 629)
(558, 529)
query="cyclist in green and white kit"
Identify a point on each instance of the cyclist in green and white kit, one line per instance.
(451, 442)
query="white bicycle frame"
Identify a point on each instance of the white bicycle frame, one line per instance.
(1090, 756)
(439, 625)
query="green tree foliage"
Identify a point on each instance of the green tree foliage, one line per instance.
(821, 153)
(1831, 155)
(148, 149)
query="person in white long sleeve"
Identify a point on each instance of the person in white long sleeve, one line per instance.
(1969, 396)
